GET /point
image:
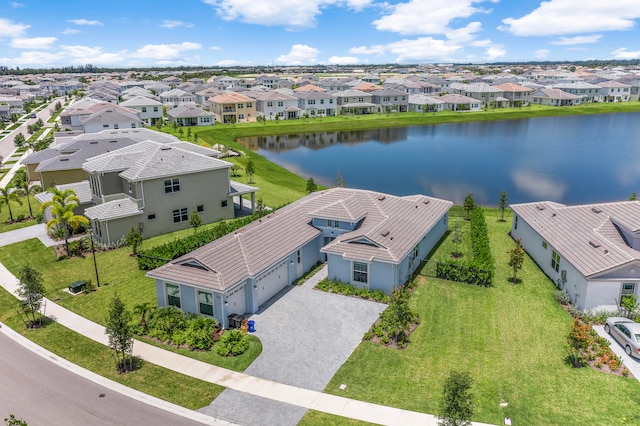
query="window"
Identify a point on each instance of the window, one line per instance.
(180, 215)
(515, 223)
(414, 253)
(249, 105)
(223, 203)
(269, 104)
(321, 101)
(151, 216)
(299, 255)
(312, 101)
(200, 208)
(280, 103)
(205, 303)
(628, 289)
(240, 116)
(360, 272)
(106, 126)
(173, 295)
(171, 185)
(240, 105)
(155, 109)
(116, 126)
(144, 109)
(133, 125)
(555, 260)
(544, 244)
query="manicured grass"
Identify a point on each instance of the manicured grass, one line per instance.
(312, 418)
(18, 210)
(151, 379)
(511, 338)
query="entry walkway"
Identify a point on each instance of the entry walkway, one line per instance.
(631, 363)
(268, 389)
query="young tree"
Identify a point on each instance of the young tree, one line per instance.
(311, 186)
(516, 259)
(456, 406)
(469, 204)
(24, 190)
(195, 220)
(31, 293)
(8, 196)
(502, 204)
(120, 332)
(630, 305)
(142, 309)
(339, 181)
(250, 170)
(456, 237)
(398, 315)
(188, 132)
(19, 140)
(634, 196)
(195, 137)
(133, 240)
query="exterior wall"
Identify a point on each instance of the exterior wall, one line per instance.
(94, 128)
(31, 172)
(116, 229)
(61, 177)
(152, 113)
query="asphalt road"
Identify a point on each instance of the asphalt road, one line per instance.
(6, 144)
(44, 394)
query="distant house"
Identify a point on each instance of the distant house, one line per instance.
(487, 95)
(390, 100)
(454, 102)
(233, 107)
(111, 118)
(191, 115)
(368, 239)
(175, 97)
(149, 110)
(555, 97)
(516, 94)
(316, 103)
(615, 91)
(355, 102)
(588, 92)
(591, 251)
(424, 103)
(276, 104)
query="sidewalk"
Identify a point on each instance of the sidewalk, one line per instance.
(38, 231)
(268, 389)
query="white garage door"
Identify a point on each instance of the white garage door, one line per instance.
(271, 282)
(237, 302)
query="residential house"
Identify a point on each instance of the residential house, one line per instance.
(487, 95)
(111, 118)
(355, 102)
(154, 187)
(455, 102)
(175, 97)
(516, 94)
(590, 251)
(368, 239)
(233, 107)
(82, 191)
(424, 103)
(316, 103)
(276, 105)
(588, 92)
(615, 91)
(390, 100)
(149, 110)
(191, 115)
(555, 97)
(202, 96)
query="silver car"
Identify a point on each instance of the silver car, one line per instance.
(626, 332)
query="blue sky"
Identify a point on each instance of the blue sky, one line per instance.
(47, 33)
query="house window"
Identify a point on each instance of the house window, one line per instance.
(515, 223)
(299, 255)
(173, 295)
(336, 224)
(360, 272)
(200, 208)
(223, 203)
(628, 289)
(544, 244)
(240, 105)
(180, 215)
(249, 105)
(171, 185)
(240, 116)
(555, 261)
(155, 109)
(144, 109)
(133, 125)
(205, 303)
(151, 216)
(414, 253)
(269, 104)
(280, 103)
(116, 126)
(321, 101)
(106, 126)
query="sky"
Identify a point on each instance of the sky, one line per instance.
(135, 33)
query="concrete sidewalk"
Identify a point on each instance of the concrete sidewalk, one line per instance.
(241, 382)
(38, 231)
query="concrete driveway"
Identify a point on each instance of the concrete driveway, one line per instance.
(631, 363)
(306, 336)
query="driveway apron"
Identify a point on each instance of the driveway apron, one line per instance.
(306, 336)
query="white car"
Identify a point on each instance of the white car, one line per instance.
(626, 332)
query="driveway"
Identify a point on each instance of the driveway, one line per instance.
(306, 336)
(631, 363)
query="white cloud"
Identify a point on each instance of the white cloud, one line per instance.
(9, 29)
(622, 53)
(344, 60)
(565, 41)
(33, 42)
(165, 51)
(411, 51)
(174, 24)
(16, 5)
(227, 63)
(79, 54)
(542, 53)
(464, 34)
(300, 54)
(426, 16)
(215, 48)
(87, 22)
(292, 14)
(494, 52)
(70, 31)
(34, 57)
(556, 17)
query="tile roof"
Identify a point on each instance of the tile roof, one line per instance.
(124, 207)
(571, 229)
(82, 190)
(111, 116)
(188, 111)
(230, 98)
(247, 252)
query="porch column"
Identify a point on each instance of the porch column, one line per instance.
(253, 202)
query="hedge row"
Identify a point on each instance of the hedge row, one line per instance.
(158, 256)
(480, 240)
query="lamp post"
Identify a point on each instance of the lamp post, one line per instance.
(93, 252)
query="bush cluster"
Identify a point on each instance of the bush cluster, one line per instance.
(158, 256)
(589, 347)
(478, 270)
(171, 325)
(335, 286)
(233, 342)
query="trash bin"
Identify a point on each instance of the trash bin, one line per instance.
(251, 325)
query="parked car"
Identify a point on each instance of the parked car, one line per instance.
(32, 115)
(626, 332)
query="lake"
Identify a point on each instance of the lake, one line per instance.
(570, 160)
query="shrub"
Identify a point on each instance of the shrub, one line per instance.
(562, 297)
(199, 332)
(234, 342)
(163, 322)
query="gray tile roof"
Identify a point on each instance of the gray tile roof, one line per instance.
(571, 229)
(255, 247)
(124, 207)
(140, 101)
(110, 116)
(82, 190)
(237, 188)
(188, 111)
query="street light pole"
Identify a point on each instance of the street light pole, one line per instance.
(93, 252)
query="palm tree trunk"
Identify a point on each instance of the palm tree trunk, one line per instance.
(10, 212)
(29, 204)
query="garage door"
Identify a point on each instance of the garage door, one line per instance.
(271, 282)
(237, 302)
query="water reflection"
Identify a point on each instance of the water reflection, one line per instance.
(577, 159)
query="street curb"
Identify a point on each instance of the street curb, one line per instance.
(110, 384)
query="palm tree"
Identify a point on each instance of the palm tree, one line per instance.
(7, 196)
(142, 309)
(26, 190)
(62, 204)
(68, 196)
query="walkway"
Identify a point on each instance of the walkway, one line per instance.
(38, 231)
(632, 364)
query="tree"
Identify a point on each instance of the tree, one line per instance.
(142, 309)
(398, 316)
(250, 170)
(62, 205)
(19, 140)
(25, 191)
(8, 196)
(311, 186)
(30, 292)
(469, 204)
(188, 132)
(456, 237)
(502, 204)
(133, 240)
(456, 406)
(339, 181)
(630, 305)
(120, 332)
(516, 259)
(195, 220)
(634, 196)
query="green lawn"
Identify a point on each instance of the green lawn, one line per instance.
(18, 210)
(511, 338)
